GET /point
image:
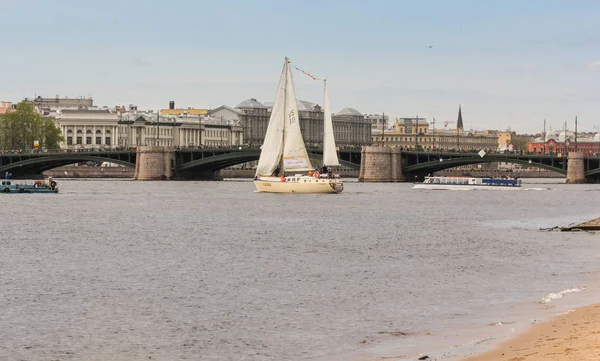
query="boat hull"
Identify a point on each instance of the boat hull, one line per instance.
(13, 189)
(302, 186)
(465, 187)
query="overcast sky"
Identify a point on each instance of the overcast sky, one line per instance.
(509, 63)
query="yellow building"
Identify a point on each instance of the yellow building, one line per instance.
(183, 112)
(512, 141)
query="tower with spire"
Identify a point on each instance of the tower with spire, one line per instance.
(459, 122)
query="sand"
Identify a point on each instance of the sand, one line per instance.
(573, 336)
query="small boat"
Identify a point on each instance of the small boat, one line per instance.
(39, 186)
(284, 166)
(469, 183)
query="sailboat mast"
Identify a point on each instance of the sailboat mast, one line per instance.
(326, 109)
(287, 64)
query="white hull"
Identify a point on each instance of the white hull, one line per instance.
(464, 187)
(299, 185)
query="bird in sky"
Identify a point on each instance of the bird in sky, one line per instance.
(430, 46)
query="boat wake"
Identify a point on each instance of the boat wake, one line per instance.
(538, 189)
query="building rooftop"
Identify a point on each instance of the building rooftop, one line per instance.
(250, 104)
(349, 111)
(302, 105)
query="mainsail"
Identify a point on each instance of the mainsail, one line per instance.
(283, 139)
(330, 157)
(295, 156)
(272, 148)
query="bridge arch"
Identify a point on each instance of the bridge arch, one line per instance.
(40, 164)
(221, 161)
(446, 163)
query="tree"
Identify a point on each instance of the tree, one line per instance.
(19, 130)
(520, 143)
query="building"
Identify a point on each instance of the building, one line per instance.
(414, 133)
(43, 103)
(349, 125)
(510, 141)
(6, 107)
(94, 128)
(351, 128)
(561, 142)
(181, 111)
(254, 117)
(378, 121)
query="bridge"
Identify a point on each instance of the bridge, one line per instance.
(204, 163)
(187, 163)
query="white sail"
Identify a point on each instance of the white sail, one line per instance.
(330, 157)
(272, 148)
(295, 156)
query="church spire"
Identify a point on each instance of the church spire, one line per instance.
(459, 122)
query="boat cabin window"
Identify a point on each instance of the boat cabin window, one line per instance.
(5, 183)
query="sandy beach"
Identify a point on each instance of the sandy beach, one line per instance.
(572, 336)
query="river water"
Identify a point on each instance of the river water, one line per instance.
(124, 270)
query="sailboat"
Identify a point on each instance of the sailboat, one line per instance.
(284, 165)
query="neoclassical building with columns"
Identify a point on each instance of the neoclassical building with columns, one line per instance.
(105, 128)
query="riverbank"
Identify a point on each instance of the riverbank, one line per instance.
(90, 172)
(572, 336)
(125, 172)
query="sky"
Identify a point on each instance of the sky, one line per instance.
(509, 64)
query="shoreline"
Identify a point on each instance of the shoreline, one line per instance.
(574, 335)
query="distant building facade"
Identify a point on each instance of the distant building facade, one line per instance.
(6, 107)
(511, 141)
(414, 133)
(107, 128)
(561, 142)
(378, 122)
(349, 125)
(57, 101)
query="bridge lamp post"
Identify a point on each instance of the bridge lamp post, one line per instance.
(417, 134)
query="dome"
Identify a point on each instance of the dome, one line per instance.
(349, 111)
(562, 136)
(302, 105)
(250, 104)
(597, 137)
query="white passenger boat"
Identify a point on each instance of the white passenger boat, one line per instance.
(469, 183)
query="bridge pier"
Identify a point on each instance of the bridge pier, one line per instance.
(575, 168)
(380, 164)
(154, 163)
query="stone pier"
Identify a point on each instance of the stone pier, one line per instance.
(380, 164)
(154, 163)
(575, 168)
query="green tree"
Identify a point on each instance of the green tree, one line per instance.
(21, 128)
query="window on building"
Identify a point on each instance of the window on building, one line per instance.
(98, 140)
(70, 140)
(107, 140)
(88, 140)
(79, 140)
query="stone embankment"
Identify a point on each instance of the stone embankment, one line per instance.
(123, 172)
(90, 172)
(593, 225)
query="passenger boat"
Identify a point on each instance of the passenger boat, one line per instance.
(39, 186)
(469, 183)
(284, 166)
